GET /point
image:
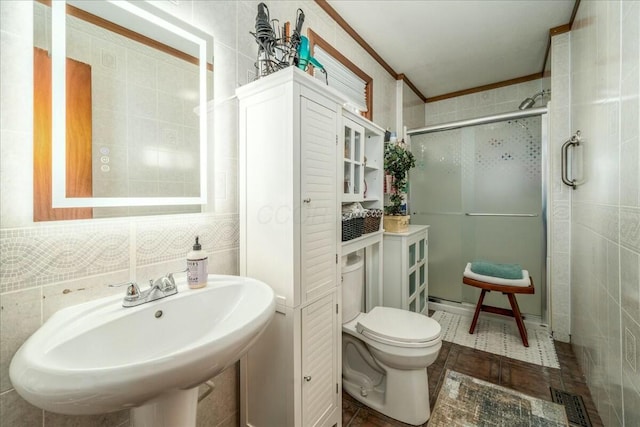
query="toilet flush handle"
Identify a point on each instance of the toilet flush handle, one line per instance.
(307, 378)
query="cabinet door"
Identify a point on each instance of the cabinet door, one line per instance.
(421, 274)
(319, 361)
(353, 163)
(318, 193)
(417, 271)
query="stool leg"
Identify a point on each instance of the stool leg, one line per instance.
(477, 313)
(518, 317)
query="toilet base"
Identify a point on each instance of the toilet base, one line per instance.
(404, 397)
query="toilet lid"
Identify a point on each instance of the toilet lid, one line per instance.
(392, 325)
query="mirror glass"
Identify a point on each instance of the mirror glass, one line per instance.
(128, 83)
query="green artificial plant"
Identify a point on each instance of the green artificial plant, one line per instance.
(397, 162)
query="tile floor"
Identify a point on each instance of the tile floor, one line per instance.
(528, 378)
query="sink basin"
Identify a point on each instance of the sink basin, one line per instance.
(100, 357)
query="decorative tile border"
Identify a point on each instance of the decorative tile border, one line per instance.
(177, 237)
(40, 255)
(630, 228)
(602, 219)
(35, 256)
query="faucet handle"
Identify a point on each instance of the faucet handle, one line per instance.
(165, 283)
(133, 290)
(117, 285)
(169, 281)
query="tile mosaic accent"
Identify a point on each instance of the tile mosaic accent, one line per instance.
(603, 219)
(630, 348)
(498, 337)
(561, 210)
(179, 235)
(40, 255)
(53, 253)
(630, 228)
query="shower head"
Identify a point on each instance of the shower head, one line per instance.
(527, 103)
(530, 102)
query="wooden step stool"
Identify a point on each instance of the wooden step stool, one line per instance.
(506, 286)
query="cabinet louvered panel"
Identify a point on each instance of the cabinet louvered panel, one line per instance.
(319, 360)
(318, 192)
(289, 204)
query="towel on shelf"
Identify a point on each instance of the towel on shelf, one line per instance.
(504, 271)
(353, 208)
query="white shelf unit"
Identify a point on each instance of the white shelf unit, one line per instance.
(353, 161)
(406, 269)
(289, 238)
(366, 163)
(362, 157)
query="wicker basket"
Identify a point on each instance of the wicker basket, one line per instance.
(372, 221)
(396, 223)
(352, 226)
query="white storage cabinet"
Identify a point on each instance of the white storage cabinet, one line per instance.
(406, 275)
(290, 239)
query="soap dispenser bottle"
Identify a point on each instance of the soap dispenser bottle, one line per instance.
(197, 267)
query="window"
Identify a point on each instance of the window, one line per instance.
(343, 75)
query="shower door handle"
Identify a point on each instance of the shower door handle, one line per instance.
(527, 215)
(573, 142)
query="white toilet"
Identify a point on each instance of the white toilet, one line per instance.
(385, 352)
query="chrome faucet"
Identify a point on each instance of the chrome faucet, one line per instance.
(160, 288)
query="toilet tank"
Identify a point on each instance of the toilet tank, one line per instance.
(352, 287)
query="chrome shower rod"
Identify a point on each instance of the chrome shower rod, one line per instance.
(478, 121)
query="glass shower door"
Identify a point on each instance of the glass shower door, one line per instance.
(480, 190)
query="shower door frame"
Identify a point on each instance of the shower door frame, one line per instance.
(544, 145)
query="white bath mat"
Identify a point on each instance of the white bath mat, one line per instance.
(503, 338)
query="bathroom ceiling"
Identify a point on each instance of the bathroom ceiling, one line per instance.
(448, 46)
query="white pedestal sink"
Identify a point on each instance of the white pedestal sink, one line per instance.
(100, 357)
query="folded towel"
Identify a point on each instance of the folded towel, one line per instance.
(505, 271)
(353, 208)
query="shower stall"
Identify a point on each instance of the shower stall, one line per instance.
(480, 184)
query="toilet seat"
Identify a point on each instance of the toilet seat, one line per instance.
(399, 328)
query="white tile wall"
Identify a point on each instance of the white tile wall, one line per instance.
(500, 100)
(605, 258)
(413, 109)
(48, 266)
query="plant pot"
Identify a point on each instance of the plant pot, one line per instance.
(396, 223)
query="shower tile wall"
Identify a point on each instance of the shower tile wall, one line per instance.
(48, 266)
(605, 255)
(500, 100)
(412, 108)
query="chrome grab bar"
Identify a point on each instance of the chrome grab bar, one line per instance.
(477, 214)
(527, 215)
(573, 142)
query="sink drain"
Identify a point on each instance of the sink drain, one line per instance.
(158, 314)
